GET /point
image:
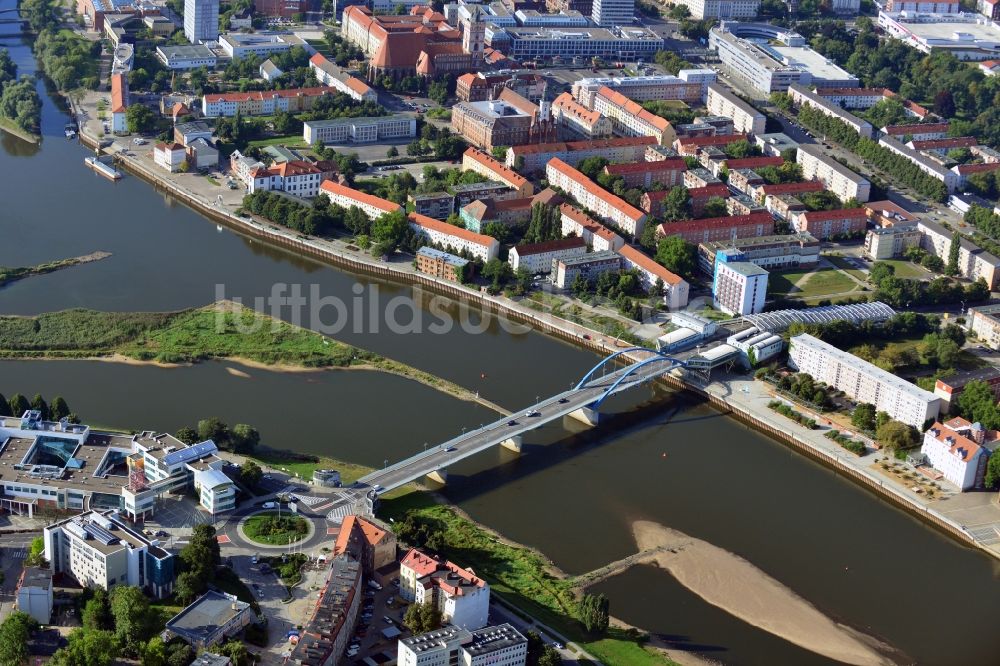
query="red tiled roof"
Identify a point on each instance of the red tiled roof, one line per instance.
(792, 188)
(269, 94)
(714, 190)
(421, 564)
(587, 222)
(671, 228)
(961, 446)
(118, 93)
(359, 196)
(888, 208)
(956, 142)
(570, 146)
(570, 106)
(715, 140)
(647, 264)
(450, 229)
(511, 177)
(839, 214)
(915, 128)
(669, 164)
(754, 162)
(634, 108)
(977, 168)
(614, 201)
(358, 86)
(550, 246)
(293, 168)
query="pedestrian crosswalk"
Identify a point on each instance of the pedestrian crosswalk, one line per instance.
(18, 554)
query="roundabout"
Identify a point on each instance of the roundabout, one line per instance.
(266, 529)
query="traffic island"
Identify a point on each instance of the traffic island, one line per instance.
(268, 529)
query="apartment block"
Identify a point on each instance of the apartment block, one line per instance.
(462, 597)
(630, 119)
(739, 287)
(952, 449)
(577, 223)
(261, 103)
(925, 163)
(726, 10)
(608, 207)
(642, 88)
(668, 173)
(538, 257)
(891, 242)
(771, 252)
(359, 130)
(973, 261)
(589, 265)
(651, 274)
(986, 324)
(99, 549)
(488, 166)
(501, 645)
(441, 264)
(570, 114)
(720, 228)
(329, 74)
(346, 197)
(827, 224)
(454, 239)
(835, 177)
(368, 540)
(951, 387)
(803, 96)
(438, 205)
(862, 381)
(533, 158)
(296, 177)
(722, 101)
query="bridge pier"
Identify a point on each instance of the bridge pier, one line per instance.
(586, 416)
(512, 443)
(439, 476)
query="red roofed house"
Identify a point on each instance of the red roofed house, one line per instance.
(577, 223)
(454, 239)
(371, 543)
(569, 113)
(296, 177)
(675, 288)
(989, 8)
(699, 196)
(761, 191)
(689, 145)
(887, 213)
(530, 158)
(486, 165)
(720, 228)
(607, 206)
(825, 224)
(178, 111)
(942, 146)
(261, 103)
(170, 156)
(537, 257)
(918, 132)
(955, 449)
(462, 597)
(345, 197)
(630, 119)
(119, 103)
(966, 170)
(329, 74)
(990, 67)
(668, 172)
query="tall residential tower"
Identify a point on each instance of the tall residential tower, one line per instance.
(201, 20)
(613, 12)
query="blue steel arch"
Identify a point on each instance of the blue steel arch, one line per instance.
(586, 378)
(659, 358)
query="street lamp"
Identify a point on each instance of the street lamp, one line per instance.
(385, 463)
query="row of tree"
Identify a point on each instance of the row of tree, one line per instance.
(19, 100)
(18, 405)
(900, 292)
(242, 438)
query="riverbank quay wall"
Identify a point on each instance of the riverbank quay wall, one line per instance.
(553, 326)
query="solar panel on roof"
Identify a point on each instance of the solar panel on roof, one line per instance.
(190, 453)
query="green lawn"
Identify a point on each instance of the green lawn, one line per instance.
(846, 266)
(522, 577)
(320, 45)
(816, 283)
(268, 528)
(213, 180)
(349, 472)
(288, 140)
(908, 270)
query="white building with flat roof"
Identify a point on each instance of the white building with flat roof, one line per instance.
(721, 101)
(739, 287)
(613, 12)
(201, 20)
(238, 45)
(966, 36)
(862, 381)
(359, 130)
(727, 10)
(817, 165)
(34, 594)
(500, 645)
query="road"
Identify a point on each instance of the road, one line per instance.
(439, 457)
(13, 551)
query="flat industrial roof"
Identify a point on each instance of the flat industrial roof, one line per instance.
(819, 66)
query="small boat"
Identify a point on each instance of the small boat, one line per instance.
(70, 133)
(103, 169)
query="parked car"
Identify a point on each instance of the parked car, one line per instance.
(269, 505)
(162, 534)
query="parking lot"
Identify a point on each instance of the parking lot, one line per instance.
(376, 607)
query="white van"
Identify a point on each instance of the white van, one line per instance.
(269, 505)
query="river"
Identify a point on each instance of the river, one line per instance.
(573, 493)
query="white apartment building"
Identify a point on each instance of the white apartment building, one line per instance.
(646, 88)
(973, 261)
(201, 20)
(727, 10)
(888, 242)
(609, 207)
(862, 381)
(476, 160)
(329, 74)
(570, 114)
(722, 101)
(462, 597)
(238, 45)
(613, 12)
(170, 156)
(345, 197)
(296, 177)
(739, 287)
(675, 288)
(925, 163)
(501, 645)
(835, 177)
(102, 550)
(952, 449)
(577, 223)
(455, 240)
(630, 119)
(187, 56)
(34, 594)
(359, 130)
(537, 257)
(986, 324)
(802, 96)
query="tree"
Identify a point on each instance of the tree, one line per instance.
(715, 207)
(132, 621)
(550, 657)
(251, 473)
(206, 535)
(97, 611)
(956, 244)
(677, 255)
(675, 204)
(880, 271)
(19, 405)
(87, 648)
(420, 618)
(187, 435)
(39, 405)
(4, 406)
(236, 651)
(392, 152)
(213, 429)
(863, 416)
(36, 553)
(188, 586)
(245, 438)
(896, 436)
(58, 409)
(992, 477)
(155, 652)
(977, 404)
(14, 634)
(944, 104)
(139, 119)
(594, 613)
(180, 654)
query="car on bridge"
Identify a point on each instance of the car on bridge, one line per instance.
(512, 422)
(533, 412)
